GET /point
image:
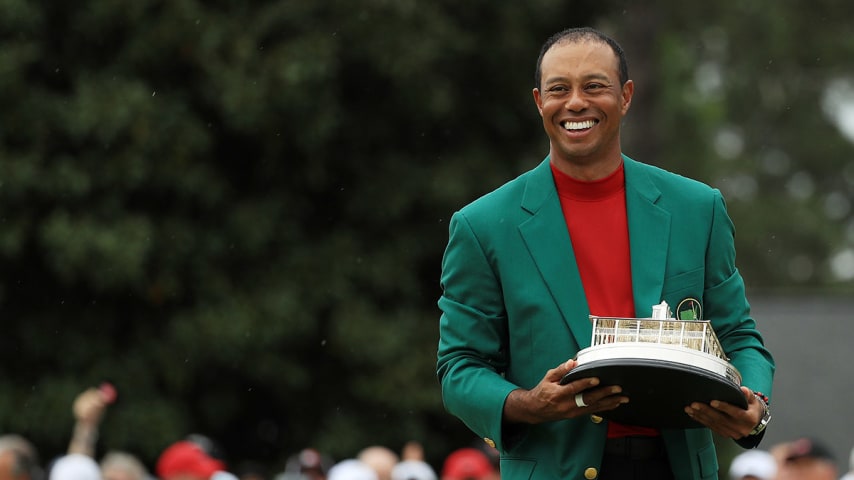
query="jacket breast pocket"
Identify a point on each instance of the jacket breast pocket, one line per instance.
(682, 286)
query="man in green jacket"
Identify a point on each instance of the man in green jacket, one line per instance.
(588, 231)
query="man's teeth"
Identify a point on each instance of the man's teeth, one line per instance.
(578, 125)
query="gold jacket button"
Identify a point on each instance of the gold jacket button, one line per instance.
(489, 442)
(590, 473)
(596, 419)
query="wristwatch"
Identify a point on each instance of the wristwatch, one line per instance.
(766, 417)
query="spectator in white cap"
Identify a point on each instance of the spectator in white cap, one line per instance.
(75, 466)
(753, 465)
(351, 469)
(413, 470)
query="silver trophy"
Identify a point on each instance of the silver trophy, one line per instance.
(663, 364)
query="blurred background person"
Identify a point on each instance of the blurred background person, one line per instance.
(88, 409)
(187, 460)
(251, 470)
(352, 469)
(850, 474)
(381, 459)
(9, 467)
(19, 459)
(468, 464)
(804, 459)
(412, 450)
(753, 465)
(116, 465)
(75, 466)
(308, 464)
(412, 465)
(413, 470)
(491, 453)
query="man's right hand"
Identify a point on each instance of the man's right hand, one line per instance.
(549, 400)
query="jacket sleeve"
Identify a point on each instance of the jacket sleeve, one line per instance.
(472, 353)
(727, 307)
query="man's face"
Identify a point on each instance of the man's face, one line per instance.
(9, 468)
(582, 103)
(807, 468)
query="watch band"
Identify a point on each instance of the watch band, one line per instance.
(766, 415)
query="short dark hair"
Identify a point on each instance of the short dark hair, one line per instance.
(579, 34)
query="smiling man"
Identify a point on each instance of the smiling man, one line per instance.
(583, 96)
(588, 231)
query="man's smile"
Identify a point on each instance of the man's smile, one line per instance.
(575, 126)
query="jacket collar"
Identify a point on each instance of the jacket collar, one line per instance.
(649, 236)
(547, 239)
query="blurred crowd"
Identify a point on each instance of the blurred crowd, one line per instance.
(197, 457)
(381, 463)
(800, 459)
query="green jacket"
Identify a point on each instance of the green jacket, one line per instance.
(513, 307)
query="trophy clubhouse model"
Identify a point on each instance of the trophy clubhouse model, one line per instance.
(663, 364)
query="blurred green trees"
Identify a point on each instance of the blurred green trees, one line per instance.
(236, 211)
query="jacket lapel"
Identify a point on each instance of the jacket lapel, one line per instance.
(649, 233)
(547, 239)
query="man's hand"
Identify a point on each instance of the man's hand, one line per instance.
(726, 419)
(549, 400)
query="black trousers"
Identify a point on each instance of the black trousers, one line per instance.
(635, 458)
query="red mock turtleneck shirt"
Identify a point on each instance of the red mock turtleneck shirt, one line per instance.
(595, 214)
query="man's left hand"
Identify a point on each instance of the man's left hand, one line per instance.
(727, 419)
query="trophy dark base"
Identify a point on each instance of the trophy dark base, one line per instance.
(658, 390)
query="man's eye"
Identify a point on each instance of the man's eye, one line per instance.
(558, 89)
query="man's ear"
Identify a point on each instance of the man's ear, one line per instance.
(538, 100)
(627, 93)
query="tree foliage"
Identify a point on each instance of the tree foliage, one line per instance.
(741, 103)
(235, 211)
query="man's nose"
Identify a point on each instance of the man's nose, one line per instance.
(575, 101)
